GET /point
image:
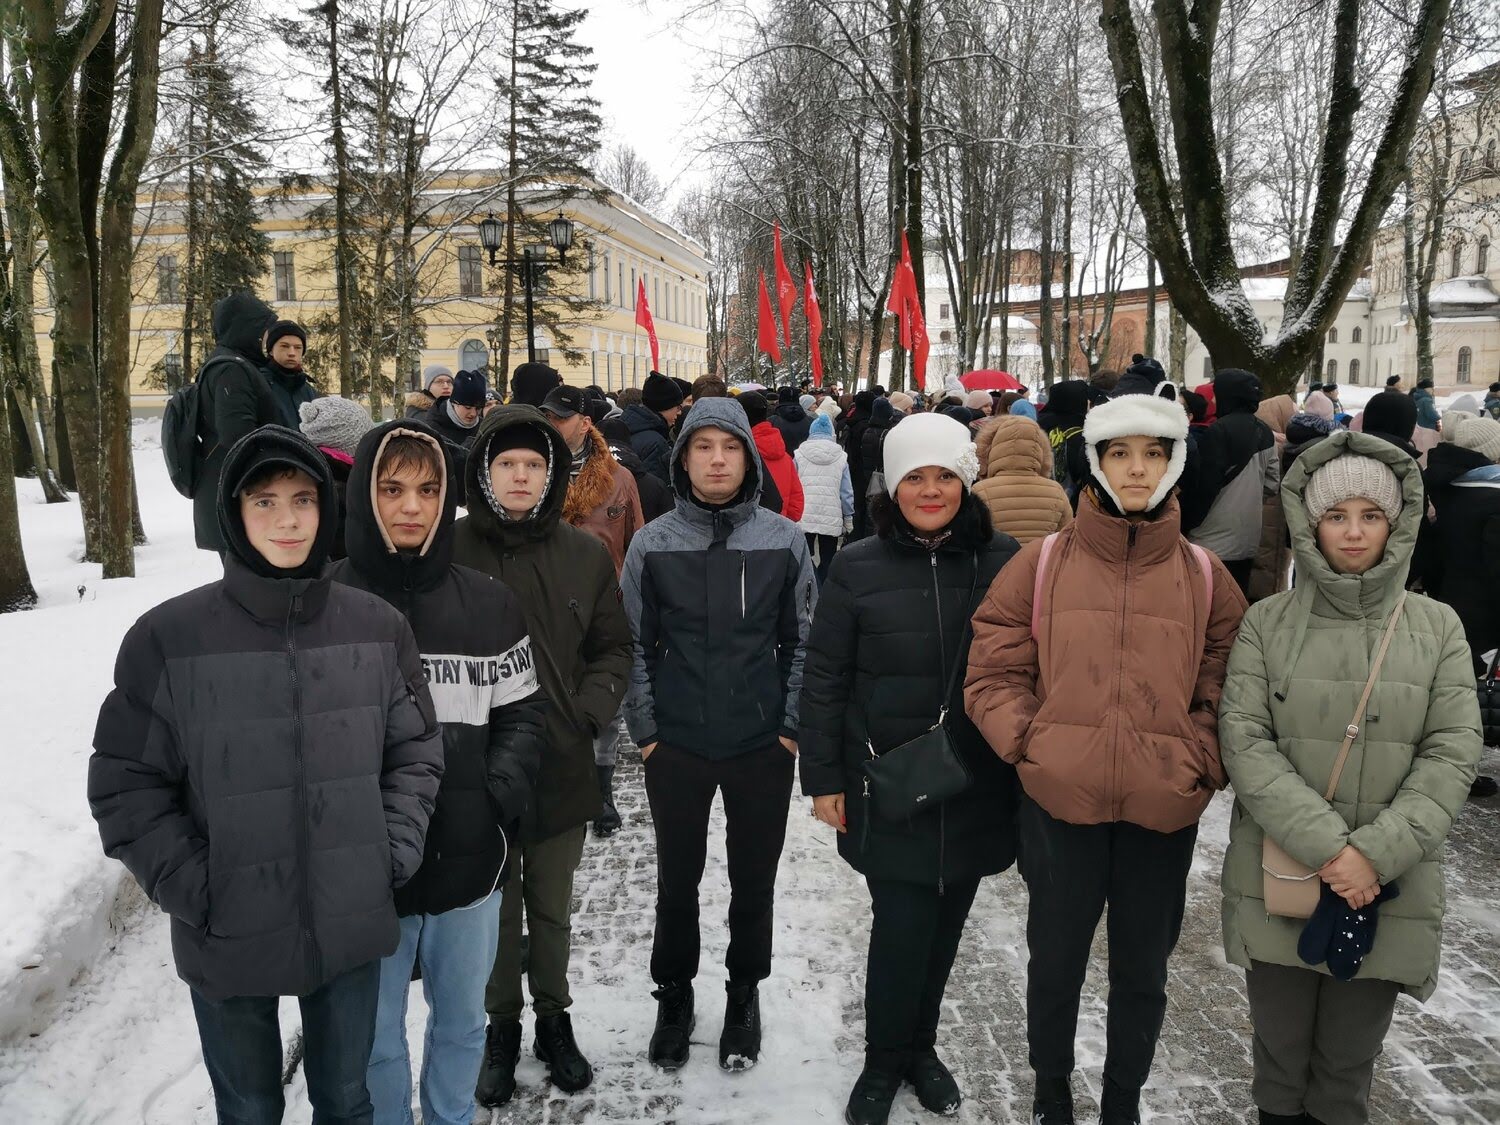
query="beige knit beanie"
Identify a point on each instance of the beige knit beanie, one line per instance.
(1348, 476)
(1482, 435)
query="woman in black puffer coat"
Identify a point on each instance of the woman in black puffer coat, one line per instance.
(891, 624)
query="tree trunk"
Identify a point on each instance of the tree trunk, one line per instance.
(65, 470)
(16, 590)
(1044, 304)
(1148, 336)
(508, 281)
(1176, 347)
(343, 254)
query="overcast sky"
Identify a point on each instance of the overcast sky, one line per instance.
(649, 63)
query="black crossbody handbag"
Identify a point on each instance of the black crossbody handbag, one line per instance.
(1489, 703)
(926, 771)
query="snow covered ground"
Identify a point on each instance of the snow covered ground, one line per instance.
(116, 1044)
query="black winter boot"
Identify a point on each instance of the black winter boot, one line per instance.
(497, 1072)
(1484, 786)
(555, 1046)
(608, 822)
(934, 1084)
(1118, 1106)
(876, 1087)
(671, 1040)
(739, 1045)
(1052, 1104)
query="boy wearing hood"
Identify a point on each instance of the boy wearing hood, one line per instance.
(1096, 667)
(265, 767)
(791, 419)
(516, 486)
(235, 398)
(482, 676)
(713, 705)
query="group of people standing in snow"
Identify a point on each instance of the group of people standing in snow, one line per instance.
(335, 778)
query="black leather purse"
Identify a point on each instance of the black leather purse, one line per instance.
(1489, 704)
(926, 771)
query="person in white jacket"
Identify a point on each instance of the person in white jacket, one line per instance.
(828, 493)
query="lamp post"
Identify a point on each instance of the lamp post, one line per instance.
(491, 234)
(493, 338)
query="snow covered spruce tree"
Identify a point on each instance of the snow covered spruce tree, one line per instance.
(1195, 251)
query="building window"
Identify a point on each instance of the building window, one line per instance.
(633, 288)
(168, 281)
(1333, 335)
(1208, 368)
(1457, 265)
(1482, 254)
(1354, 370)
(1357, 335)
(1333, 370)
(607, 279)
(620, 294)
(171, 365)
(1465, 364)
(943, 312)
(286, 275)
(473, 355)
(1489, 158)
(470, 272)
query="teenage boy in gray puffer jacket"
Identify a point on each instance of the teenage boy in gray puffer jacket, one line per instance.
(266, 766)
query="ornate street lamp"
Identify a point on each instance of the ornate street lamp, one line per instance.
(491, 237)
(561, 230)
(491, 231)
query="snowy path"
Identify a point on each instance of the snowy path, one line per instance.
(123, 1051)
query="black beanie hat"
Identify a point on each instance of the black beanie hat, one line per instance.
(786, 394)
(1424, 384)
(659, 393)
(1392, 380)
(1390, 412)
(756, 409)
(530, 383)
(684, 386)
(284, 328)
(520, 437)
(468, 389)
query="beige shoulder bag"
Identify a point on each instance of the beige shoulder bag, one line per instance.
(1292, 889)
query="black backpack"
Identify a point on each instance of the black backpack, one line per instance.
(181, 444)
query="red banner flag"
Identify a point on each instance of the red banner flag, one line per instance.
(643, 320)
(906, 306)
(814, 328)
(765, 331)
(786, 291)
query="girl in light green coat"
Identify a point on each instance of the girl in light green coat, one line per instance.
(1353, 504)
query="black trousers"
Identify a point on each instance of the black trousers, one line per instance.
(1072, 871)
(914, 937)
(1241, 570)
(680, 787)
(826, 546)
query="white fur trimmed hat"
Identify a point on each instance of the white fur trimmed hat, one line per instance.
(929, 439)
(1138, 415)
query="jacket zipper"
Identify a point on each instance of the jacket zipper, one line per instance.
(304, 842)
(1114, 779)
(744, 608)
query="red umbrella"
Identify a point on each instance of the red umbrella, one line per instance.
(990, 381)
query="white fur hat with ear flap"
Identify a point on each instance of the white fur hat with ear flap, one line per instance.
(1142, 415)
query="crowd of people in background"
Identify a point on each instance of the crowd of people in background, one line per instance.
(337, 777)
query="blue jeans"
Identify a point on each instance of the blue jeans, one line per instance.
(241, 1040)
(457, 951)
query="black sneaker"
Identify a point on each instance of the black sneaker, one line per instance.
(935, 1087)
(608, 822)
(497, 1072)
(739, 1045)
(874, 1091)
(555, 1046)
(674, 1025)
(1052, 1103)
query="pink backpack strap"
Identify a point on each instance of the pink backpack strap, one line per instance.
(1206, 564)
(1036, 590)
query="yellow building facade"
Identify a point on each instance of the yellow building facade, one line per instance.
(457, 291)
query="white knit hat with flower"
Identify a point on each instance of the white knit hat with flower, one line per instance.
(929, 439)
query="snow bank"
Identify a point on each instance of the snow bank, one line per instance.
(59, 887)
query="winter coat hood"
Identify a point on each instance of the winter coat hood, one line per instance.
(640, 417)
(276, 445)
(790, 412)
(240, 321)
(1235, 392)
(1066, 405)
(1354, 595)
(1013, 444)
(484, 509)
(1023, 499)
(368, 545)
(1276, 412)
(1447, 463)
(727, 415)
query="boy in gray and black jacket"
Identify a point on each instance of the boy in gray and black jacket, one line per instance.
(720, 594)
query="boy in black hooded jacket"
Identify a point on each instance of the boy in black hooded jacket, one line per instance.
(265, 767)
(477, 651)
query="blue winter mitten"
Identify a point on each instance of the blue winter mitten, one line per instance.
(1354, 936)
(1312, 946)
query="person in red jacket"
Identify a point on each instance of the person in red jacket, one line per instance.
(773, 454)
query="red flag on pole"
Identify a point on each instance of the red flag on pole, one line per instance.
(906, 306)
(814, 327)
(765, 332)
(643, 320)
(786, 291)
